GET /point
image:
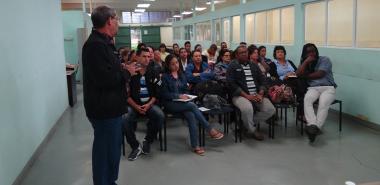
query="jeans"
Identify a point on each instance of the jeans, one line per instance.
(192, 115)
(326, 95)
(106, 150)
(156, 120)
(266, 110)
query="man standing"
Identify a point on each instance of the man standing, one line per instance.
(247, 84)
(105, 97)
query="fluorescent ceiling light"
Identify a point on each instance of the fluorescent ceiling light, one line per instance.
(186, 13)
(215, 2)
(143, 5)
(200, 8)
(139, 10)
(178, 16)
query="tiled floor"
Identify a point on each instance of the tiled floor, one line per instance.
(289, 159)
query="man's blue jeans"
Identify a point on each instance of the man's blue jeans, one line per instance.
(106, 150)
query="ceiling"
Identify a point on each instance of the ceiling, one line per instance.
(130, 5)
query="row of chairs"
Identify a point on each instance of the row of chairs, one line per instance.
(225, 115)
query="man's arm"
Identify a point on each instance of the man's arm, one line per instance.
(101, 72)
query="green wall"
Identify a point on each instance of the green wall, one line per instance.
(72, 20)
(33, 90)
(355, 70)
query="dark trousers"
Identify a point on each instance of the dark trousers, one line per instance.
(106, 150)
(156, 119)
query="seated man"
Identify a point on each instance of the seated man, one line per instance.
(198, 71)
(142, 95)
(246, 85)
(318, 72)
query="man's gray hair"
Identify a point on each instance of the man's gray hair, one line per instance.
(100, 15)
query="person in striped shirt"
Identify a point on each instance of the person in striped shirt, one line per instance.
(142, 98)
(247, 84)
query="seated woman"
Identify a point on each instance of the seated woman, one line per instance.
(174, 86)
(284, 68)
(221, 67)
(317, 70)
(211, 53)
(198, 71)
(253, 53)
(263, 53)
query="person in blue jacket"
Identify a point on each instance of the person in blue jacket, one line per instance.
(198, 71)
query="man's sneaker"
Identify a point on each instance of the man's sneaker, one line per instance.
(312, 132)
(146, 147)
(257, 135)
(135, 154)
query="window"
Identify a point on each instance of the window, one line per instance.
(218, 34)
(236, 29)
(315, 23)
(189, 32)
(203, 31)
(261, 22)
(368, 27)
(226, 30)
(177, 33)
(273, 26)
(340, 23)
(250, 28)
(287, 25)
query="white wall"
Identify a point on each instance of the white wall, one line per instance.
(33, 90)
(166, 35)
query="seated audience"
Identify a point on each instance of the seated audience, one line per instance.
(176, 49)
(183, 59)
(222, 66)
(211, 53)
(247, 86)
(284, 67)
(163, 52)
(142, 96)
(317, 70)
(157, 64)
(253, 54)
(198, 71)
(174, 86)
(187, 46)
(263, 53)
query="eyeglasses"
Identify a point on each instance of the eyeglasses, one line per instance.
(115, 17)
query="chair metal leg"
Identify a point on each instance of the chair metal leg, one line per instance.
(340, 116)
(286, 117)
(165, 139)
(160, 139)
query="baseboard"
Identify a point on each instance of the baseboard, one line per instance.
(364, 123)
(19, 179)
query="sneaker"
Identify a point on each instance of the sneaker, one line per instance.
(312, 131)
(135, 154)
(146, 147)
(258, 136)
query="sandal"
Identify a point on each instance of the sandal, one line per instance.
(200, 151)
(216, 135)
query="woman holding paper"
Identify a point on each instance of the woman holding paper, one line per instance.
(174, 89)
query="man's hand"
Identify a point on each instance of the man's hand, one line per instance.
(139, 109)
(146, 107)
(130, 67)
(255, 98)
